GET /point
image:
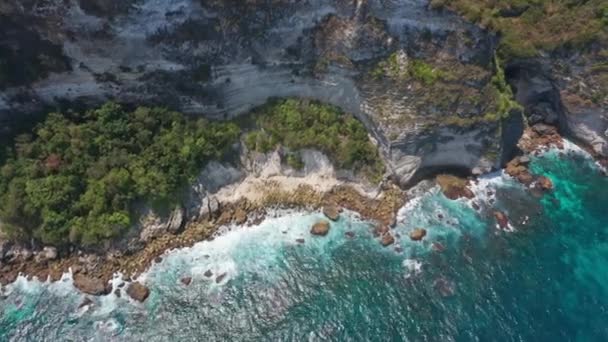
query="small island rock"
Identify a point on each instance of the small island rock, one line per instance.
(501, 219)
(138, 292)
(545, 183)
(320, 228)
(417, 234)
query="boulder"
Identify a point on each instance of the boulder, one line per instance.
(186, 280)
(220, 278)
(387, 239)
(332, 212)
(454, 187)
(417, 234)
(208, 274)
(501, 219)
(138, 291)
(350, 234)
(91, 285)
(300, 241)
(320, 228)
(544, 183)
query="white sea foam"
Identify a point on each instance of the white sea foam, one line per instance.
(256, 249)
(413, 266)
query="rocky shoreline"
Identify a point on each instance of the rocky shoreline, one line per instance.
(92, 273)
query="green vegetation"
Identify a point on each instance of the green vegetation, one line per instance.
(79, 176)
(401, 68)
(297, 124)
(502, 104)
(528, 26)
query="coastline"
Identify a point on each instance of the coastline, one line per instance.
(247, 202)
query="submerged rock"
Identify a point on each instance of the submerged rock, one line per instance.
(138, 291)
(320, 228)
(186, 280)
(501, 219)
(220, 278)
(332, 212)
(91, 285)
(85, 302)
(545, 183)
(417, 234)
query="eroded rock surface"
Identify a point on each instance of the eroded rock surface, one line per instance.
(419, 79)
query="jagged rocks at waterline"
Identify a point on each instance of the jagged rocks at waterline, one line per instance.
(332, 212)
(186, 280)
(320, 228)
(501, 219)
(544, 183)
(138, 291)
(381, 229)
(91, 285)
(417, 234)
(387, 239)
(454, 187)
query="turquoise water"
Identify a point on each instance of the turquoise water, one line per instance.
(546, 280)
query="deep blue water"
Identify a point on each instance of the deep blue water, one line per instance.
(546, 280)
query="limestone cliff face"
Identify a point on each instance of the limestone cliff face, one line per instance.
(420, 80)
(567, 89)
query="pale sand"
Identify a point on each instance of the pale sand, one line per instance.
(271, 178)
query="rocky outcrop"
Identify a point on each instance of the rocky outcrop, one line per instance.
(320, 228)
(417, 234)
(454, 187)
(567, 90)
(91, 285)
(152, 225)
(437, 110)
(331, 211)
(544, 183)
(501, 219)
(138, 291)
(186, 280)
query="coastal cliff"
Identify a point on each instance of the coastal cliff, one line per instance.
(419, 79)
(436, 89)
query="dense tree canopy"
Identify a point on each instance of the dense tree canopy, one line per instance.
(78, 176)
(298, 124)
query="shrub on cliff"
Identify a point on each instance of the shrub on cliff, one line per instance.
(77, 178)
(298, 124)
(528, 26)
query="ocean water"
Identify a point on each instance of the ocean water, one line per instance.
(543, 279)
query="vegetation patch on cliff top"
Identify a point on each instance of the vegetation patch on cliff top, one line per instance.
(298, 124)
(79, 176)
(528, 26)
